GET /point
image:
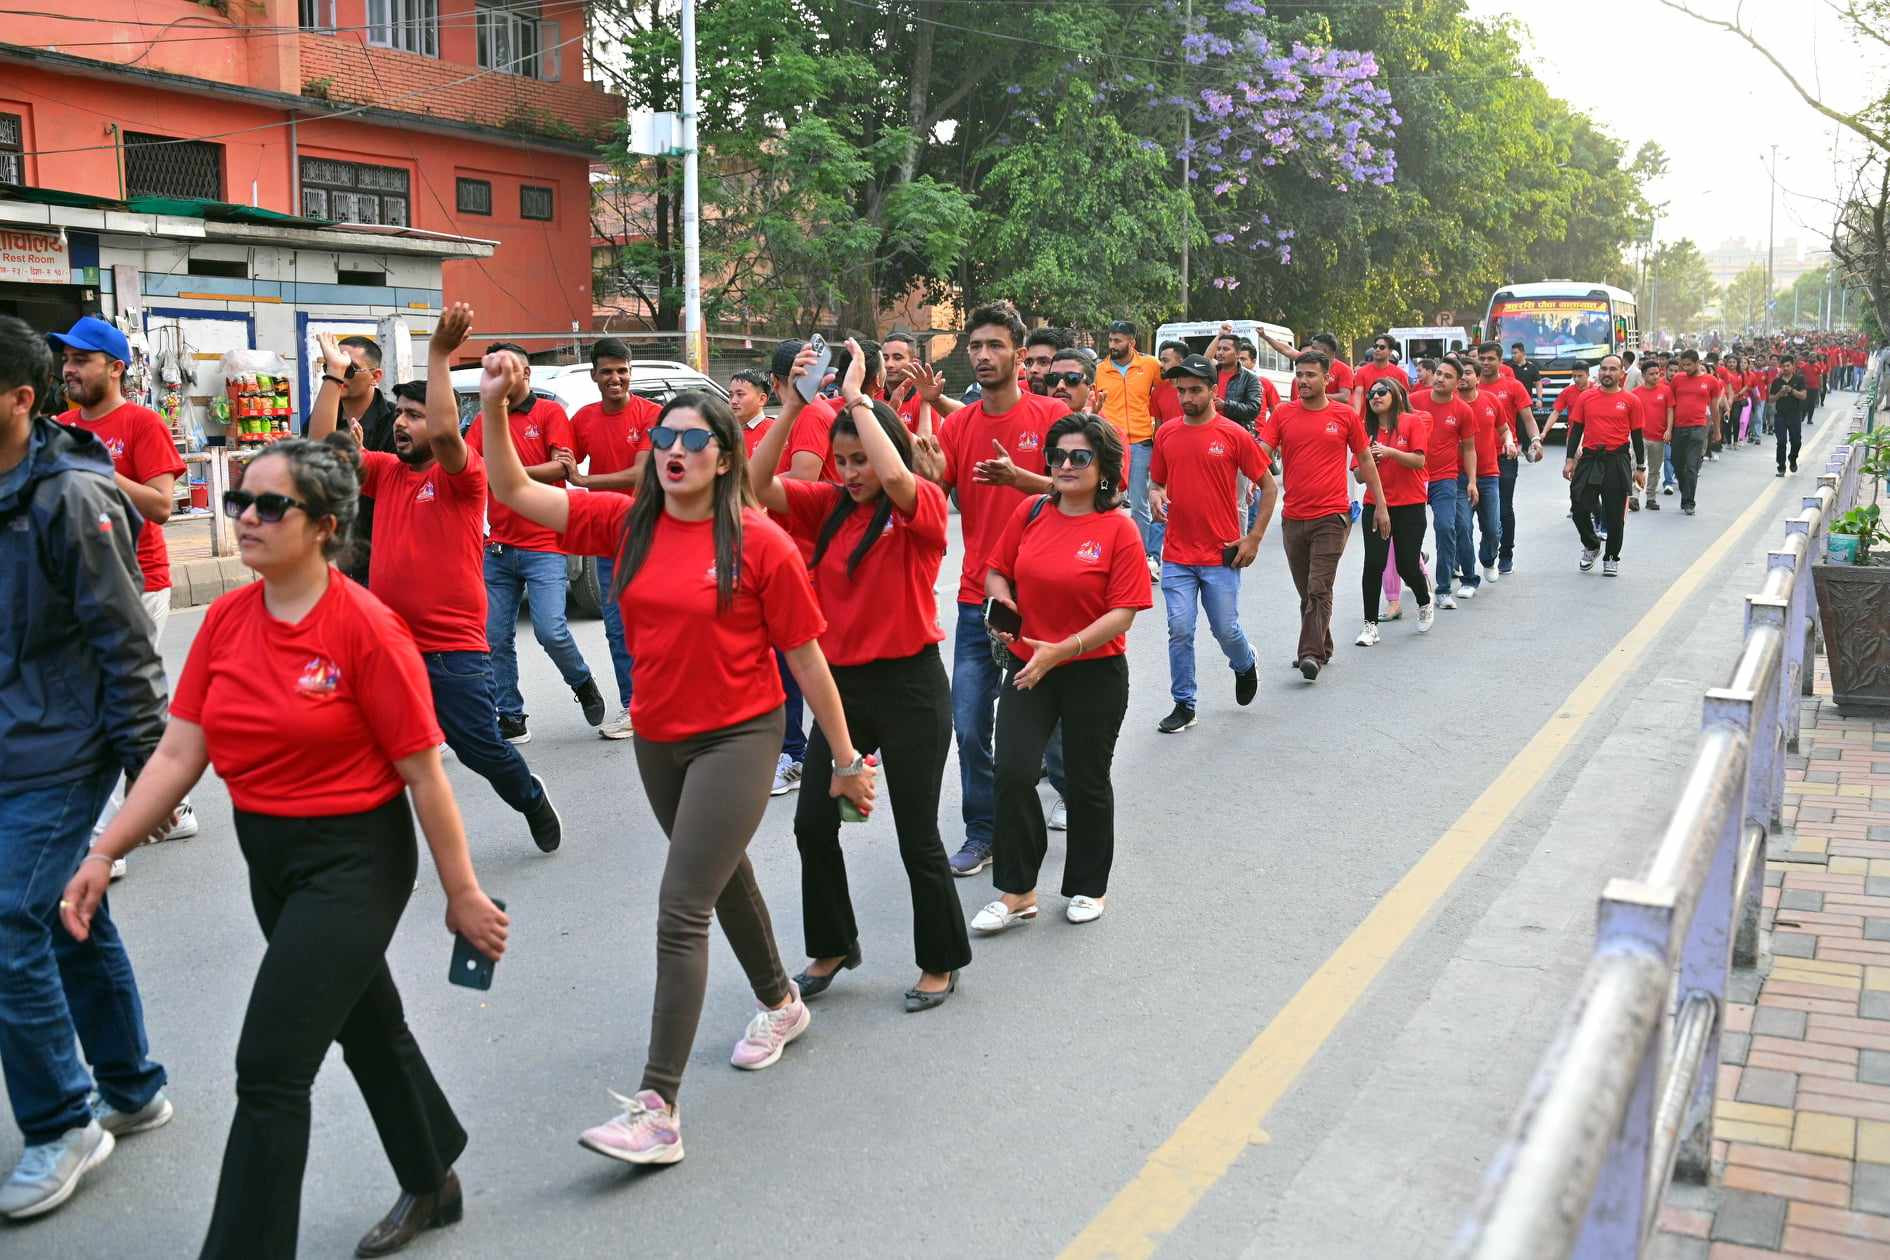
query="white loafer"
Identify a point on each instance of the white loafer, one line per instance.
(1083, 909)
(997, 916)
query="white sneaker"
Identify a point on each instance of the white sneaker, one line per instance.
(1610, 568)
(996, 916)
(47, 1174)
(183, 824)
(1466, 592)
(1447, 600)
(118, 869)
(1587, 561)
(1426, 618)
(769, 1032)
(1059, 817)
(787, 776)
(1489, 574)
(1368, 637)
(1083, 909)
(618, 727)
(1154, 569)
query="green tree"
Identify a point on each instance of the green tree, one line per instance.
(1742, 305)
(1678, 289)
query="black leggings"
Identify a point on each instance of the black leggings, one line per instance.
(901, 709)
(1407, 533)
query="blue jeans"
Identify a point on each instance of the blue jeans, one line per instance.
(1152, 531)
(794, 738)
(1489, 513)
(613, 629)
(510, 574)
(975, 682)
(1450, 509)
(1667, 477)
(53, 988)
(462, 701)
(1186, 588)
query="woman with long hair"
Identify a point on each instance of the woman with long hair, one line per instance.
(878, 539)
(1399, 437)
(709, 587)
(306, 660)
(1070, 565)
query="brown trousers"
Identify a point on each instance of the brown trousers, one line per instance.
(1313, 549)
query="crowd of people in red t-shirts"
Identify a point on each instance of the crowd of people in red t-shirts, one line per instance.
(753, 566)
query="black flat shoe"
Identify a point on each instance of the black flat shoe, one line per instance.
(919, 1000)
(410, 1215)
(813, 986)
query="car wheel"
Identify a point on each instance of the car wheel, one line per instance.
(585, 598)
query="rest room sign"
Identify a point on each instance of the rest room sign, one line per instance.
(35, 256)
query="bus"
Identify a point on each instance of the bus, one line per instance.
(1561, 323)
(1198, 335)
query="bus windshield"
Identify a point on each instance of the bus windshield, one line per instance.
(1553, 328)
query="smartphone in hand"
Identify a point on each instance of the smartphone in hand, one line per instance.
(1228, 553)
(470, 968)
(809, 384)
(1003, 620)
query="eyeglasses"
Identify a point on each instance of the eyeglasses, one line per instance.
(662, 437)
(1384, 346)
(270, 507)
(1381, 391)
(1056, 457)
(1072, 379)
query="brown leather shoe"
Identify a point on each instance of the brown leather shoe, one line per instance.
(411, 1214)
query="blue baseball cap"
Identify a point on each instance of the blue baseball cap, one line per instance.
(92, 333)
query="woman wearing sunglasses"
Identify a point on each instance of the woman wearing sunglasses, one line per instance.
(878, 538)
(1070, 563)
(1399, 438)
(709, 587)
(305, 659)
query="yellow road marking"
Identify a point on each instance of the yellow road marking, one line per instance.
(1205, 1145)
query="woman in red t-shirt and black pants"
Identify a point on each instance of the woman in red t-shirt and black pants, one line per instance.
(878, 539)
(1070, 563)
(1400, 439)
(709, 587)
(305, 659)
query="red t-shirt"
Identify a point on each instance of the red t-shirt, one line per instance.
(1369, 374)
(753, 433)
(1607, 419)
(1814, 373)
(1269, 398)
(1565, 401)
(1404, 486)
(1066, 571)
(813, 431)
(887, 610)
(1165, 404)
(1655, 402)
(1340, 376)
(1512, 400)
(1198, 464)
(965, 439)
(698, 668)
(1485, 419)
(535, 431)
(1504, 370)
(141, 447)
(307, 720)
(1693, 397)
(612, 440)
(428, 562)
(1450, 424)
(1312, 447)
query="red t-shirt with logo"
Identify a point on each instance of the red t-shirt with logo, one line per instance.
(1340, 376)
(141, 447)
(535, 431)
(307, 720)
(1693, 397)
(1066, 571)
(1369, 374)
(1512, 400)
(1485, 419)
(813, 432)
(1607, 419)
(1312, 447)
(965, 439)
(428, 562)
(1199, 464)
(1655, 401)
(1404, 487)
(1450, 424)
(697, 667)
(612, 440)
(886, 611)
(753, 433)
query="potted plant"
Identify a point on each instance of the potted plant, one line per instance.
(1853, 588)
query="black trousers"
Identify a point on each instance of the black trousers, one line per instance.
(1507, 468)
(1787, 432)
(328, 893)
(1089, 699)
(1686, 445)
(901, 709)
(1407, 534)
(1604, 478)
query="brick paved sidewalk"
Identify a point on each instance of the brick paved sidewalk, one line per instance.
(1801, 1155)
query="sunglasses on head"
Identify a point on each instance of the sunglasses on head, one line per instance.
(1071, 379)
(662, 437)
(1056, 457)
(270, 507)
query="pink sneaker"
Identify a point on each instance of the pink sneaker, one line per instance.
(648, 1131)
(769, 1032)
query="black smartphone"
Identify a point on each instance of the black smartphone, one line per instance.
(809, 385)
(1002, 619)
(1228, 553)
(470, 968)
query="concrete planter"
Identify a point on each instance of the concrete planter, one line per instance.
(1854, 611)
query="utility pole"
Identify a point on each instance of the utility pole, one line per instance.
(1771, 240)
(696, 349)
(1187, 178)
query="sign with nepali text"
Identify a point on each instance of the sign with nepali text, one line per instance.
(35, 256)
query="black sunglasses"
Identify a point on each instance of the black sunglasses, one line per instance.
(1068, 378)
(662, 437)
(1381, 391)
(1056, 457)
(270, 507)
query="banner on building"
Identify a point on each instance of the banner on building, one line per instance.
(34, 256)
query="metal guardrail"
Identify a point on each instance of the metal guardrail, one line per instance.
(1623, 1099)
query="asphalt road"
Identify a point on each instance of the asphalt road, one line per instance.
(1247, 849)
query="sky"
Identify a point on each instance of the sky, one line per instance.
(1712, 102)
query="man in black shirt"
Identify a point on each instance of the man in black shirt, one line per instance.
(1526, 372)
(1787, 399)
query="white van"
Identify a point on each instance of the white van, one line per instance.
(1430, 342)
(1198, 334)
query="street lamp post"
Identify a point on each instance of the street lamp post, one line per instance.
(696, 345)
(1771, 238)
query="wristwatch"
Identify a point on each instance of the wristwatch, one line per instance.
(853, 769)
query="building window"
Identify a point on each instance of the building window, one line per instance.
(474, 196)
(318, 15)
(410, 25)
(514, 39)
(348, 192)
(534, 203)
(158, 166)
(12, 149)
